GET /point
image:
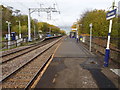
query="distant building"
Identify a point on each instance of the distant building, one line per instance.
(119, 9)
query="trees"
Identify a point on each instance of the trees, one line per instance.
(98, 19)
(7, 15)
(45, 27)
(100, 24)
(62, 32)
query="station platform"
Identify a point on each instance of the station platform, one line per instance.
(73, 66)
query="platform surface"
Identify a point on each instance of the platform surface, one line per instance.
(73, 66)
(70, 48)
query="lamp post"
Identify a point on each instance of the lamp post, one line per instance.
(77, 32)
(29, 26)
(8, 33)
(19, 29)
(90, 36)
(50, 29)
(34, 32)
(77, 26)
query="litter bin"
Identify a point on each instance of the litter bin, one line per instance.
(13, 35)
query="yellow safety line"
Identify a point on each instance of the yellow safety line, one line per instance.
(43, 71)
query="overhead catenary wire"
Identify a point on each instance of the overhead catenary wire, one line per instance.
(12, 5)
(25, 10)
(60, 13)
(57, 5)
(55, 2)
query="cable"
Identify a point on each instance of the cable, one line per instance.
(11, 4)
(59, 10)
(57, 5)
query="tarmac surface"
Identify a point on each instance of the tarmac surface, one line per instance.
(73, 66)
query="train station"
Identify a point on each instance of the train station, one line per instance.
(73, 66)
(53, 44)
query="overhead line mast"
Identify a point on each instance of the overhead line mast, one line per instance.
(48, 10)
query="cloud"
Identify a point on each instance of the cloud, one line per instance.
(70, 9)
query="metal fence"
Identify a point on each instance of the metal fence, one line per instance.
(16, 43)
(19, 42)
(12, 44)
(99, 45)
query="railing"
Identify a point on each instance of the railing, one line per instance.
(99, 45)
(22, 41)
(15, 43)
(12, 44)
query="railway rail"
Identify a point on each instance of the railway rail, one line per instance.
(21, 76)
(20, 52)
(8, 52)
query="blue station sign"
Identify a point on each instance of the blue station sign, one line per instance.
(111, 14)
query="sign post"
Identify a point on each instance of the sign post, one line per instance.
(19, 29)
(8, 33)
(77, 33)
(109, 16)
(90, 37)
(29, 26)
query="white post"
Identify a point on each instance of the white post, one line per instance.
(90, 37)
(8, 34)
(29, 27)
(34, 32)
(77, 36)
(110, 28)
(19, 30)
(50, 30)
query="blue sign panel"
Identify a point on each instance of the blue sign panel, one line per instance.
(111, 14)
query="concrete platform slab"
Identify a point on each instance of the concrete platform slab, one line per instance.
(73, 66)
(70, 49)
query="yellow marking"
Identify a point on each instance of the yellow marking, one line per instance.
(39, 77)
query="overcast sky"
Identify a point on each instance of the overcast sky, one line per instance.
(70, 9)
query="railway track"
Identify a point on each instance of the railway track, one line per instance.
(20, 52)
(17, 62)
(8, 52)
(22, 76)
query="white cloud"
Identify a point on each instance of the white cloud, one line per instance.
(70, 9)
